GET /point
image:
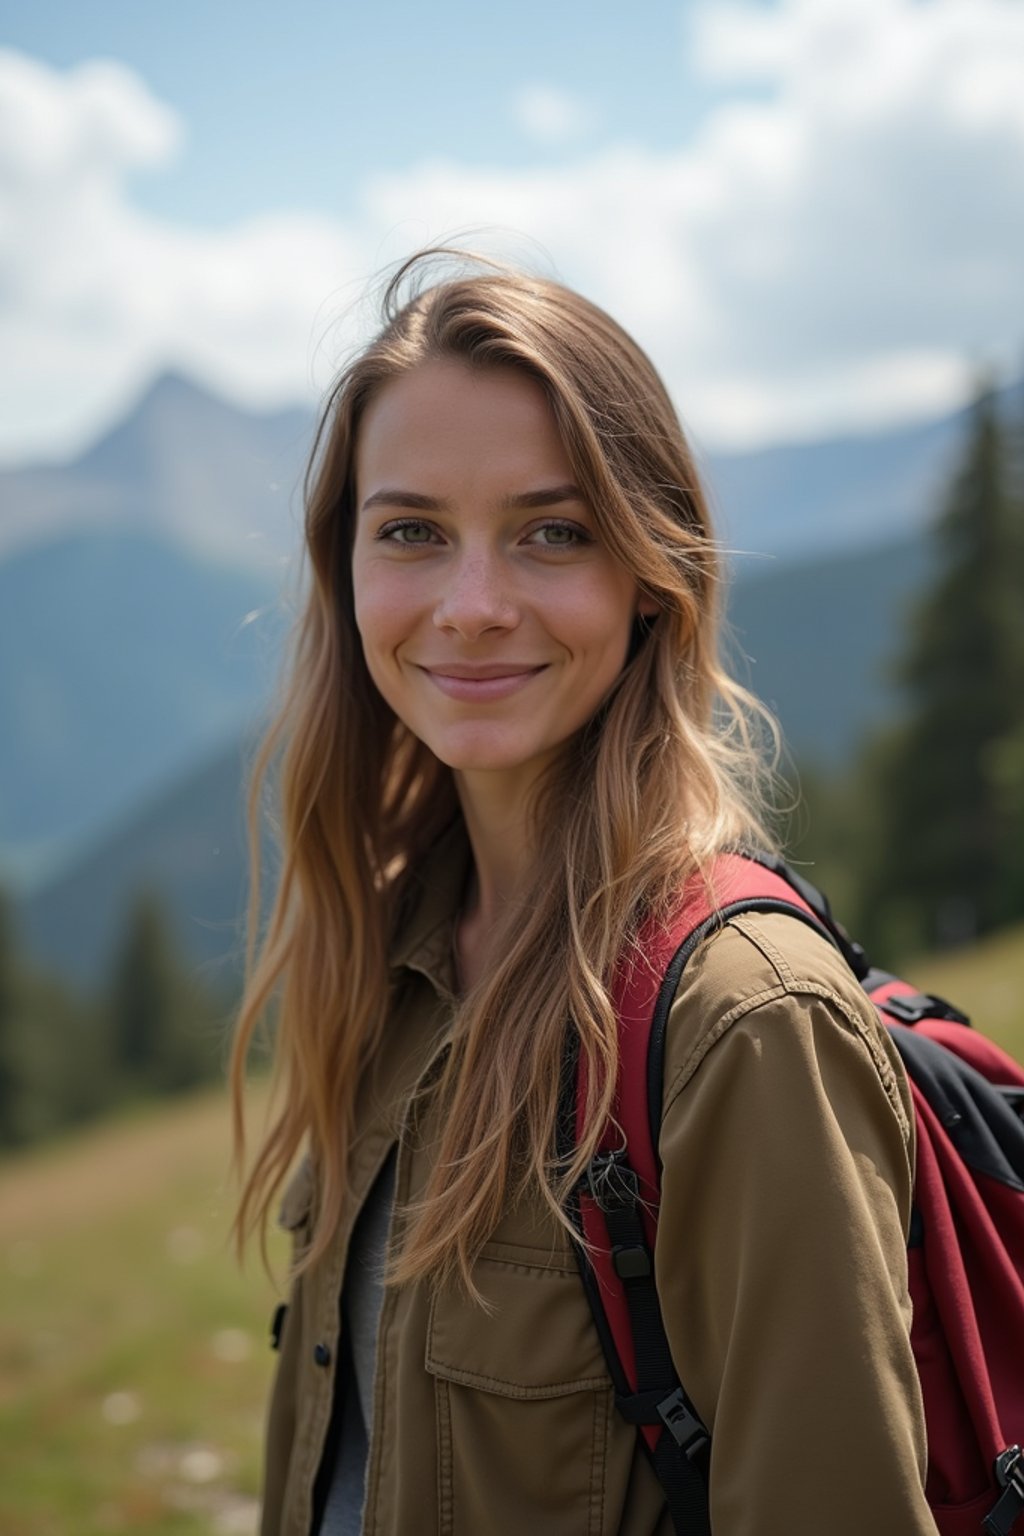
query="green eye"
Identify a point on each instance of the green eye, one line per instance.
(412, 531)
(560, 535)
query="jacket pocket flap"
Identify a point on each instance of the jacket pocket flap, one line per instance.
(538, 1340)
(297, 1201)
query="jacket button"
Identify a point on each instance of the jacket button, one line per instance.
(322, 1355)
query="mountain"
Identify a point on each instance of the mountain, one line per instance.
(841, 494)
(188, 845)
(124, 661)
(183, 463)
(848, 493)
(811, 638)
(816, 641)
(226, 481)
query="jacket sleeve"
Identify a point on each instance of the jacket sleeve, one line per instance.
(781, 1257)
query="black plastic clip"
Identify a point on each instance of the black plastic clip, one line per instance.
(1009, 1470)
(277, 1324)
(683, 1424)
(912, 1007)
(631, 1262)
(669, 1407)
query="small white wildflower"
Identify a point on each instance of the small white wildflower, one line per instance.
(122, 1407)
(232, 1345)
(200, 1464)
(185, 1245)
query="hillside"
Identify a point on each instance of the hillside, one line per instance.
(133, 1358)
(815, 639)
(986, 981)
(124, 662)
(189, 845)
(134, 1362)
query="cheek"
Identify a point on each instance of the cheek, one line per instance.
(381, 608)
(600, 614)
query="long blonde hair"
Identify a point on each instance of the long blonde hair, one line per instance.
(664, 777)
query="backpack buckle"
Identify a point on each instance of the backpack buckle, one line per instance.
(911, 1008)
(1009, 1470)
(683, 1424)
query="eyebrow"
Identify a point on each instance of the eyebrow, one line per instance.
(550, 496)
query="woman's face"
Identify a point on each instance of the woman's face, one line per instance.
(493, 619)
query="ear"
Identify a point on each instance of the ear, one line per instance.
(647, 607)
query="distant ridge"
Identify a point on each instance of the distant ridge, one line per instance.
(187, 845)
(126, 658)
(817, 635)
(124, 661)
(224, 480)
(798, 500)
(185, 464)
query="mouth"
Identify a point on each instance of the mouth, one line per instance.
(480, 672)
(483, 683)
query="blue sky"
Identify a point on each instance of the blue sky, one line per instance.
(811, 212)
(287, 106)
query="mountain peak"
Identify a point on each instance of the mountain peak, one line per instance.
(176, 419)
(173, 387)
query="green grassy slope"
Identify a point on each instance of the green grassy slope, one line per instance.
(986, 981)
(134, 1363)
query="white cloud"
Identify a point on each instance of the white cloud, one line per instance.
(832, 251)
(97, 295)
(549, 115)
(837, 251)
(57, 131)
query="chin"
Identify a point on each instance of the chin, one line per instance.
(489, 757)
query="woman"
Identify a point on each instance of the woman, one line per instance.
(508, 738)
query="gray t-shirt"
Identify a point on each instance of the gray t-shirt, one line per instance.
(362, 1295)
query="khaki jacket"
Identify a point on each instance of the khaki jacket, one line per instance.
(781, 1265)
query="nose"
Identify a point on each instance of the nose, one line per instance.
(477, 596)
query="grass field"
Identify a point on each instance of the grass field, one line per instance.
(134, 1364)
(986, 982)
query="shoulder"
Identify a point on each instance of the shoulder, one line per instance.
(768, 984)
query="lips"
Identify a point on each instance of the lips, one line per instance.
(481, 684)
(480, 672)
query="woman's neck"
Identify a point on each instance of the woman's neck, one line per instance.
(500, 837)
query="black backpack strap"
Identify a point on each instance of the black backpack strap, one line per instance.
(680, 1457)
(681, 1453)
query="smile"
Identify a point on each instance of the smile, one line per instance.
(483, 685)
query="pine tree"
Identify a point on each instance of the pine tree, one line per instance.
(1006, 757)
(948, 815)
(157, 1019)
(9, 1075)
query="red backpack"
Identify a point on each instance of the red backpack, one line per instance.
(966, 1248)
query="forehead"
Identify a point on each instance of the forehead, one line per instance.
(447, 421)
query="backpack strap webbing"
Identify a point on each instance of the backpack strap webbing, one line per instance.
(615, 1208)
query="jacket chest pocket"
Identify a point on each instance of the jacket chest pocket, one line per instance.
(523, 1401)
